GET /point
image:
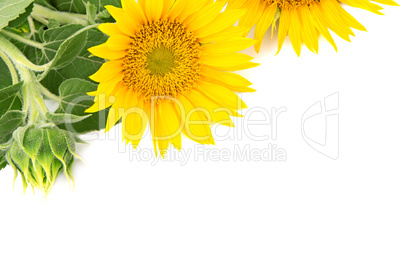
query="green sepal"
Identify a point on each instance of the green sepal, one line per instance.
(18, 135)
(32, 142)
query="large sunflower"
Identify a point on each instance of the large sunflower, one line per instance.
(168, 63)
(303, 20)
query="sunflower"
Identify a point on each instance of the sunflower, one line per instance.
(303, 20)
(170, 65)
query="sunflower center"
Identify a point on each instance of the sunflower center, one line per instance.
(163, 60)
(287, 4)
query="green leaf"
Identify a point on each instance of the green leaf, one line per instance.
(53, 24)
(9, 99)
(91, 11)
(78, 6)
(3, 161)
(63, 44)
(22, 18)
(5, 76)
(81, 66)
(75, 100)
(60, 118)
(8, 123)
(46, 3)
(11, 9)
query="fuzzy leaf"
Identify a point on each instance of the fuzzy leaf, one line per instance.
(60, 118)
(46, 3)
(11, 9)
(8, 123)
(78, 6)
(5, 76)
(22, 18)
(3, 161)
(63, 44)
(81, 66)
(9, 99)
(75, 100)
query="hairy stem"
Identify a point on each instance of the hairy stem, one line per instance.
(33, 100)
(18, 57)
(22, 39)
(40, 11)
(45, 92)
(11, 67)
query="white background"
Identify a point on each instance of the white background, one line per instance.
(308, 203)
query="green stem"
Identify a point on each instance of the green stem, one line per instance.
(31, 26)
(11, 67)
(22, 39)
(47, 93)
(33, 100)
(39, 19)
(17, 56)
(62, 17)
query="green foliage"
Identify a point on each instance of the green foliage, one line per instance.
(18, 22)
(75, 101)
(5, 76)
(10, 99)
(62, 45)
(85, 64)
(9, 122)
(78, 6)
(11, 9)
(48, 60)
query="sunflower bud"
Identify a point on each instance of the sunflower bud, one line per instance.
(40, 154)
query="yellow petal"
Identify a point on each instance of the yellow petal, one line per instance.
(294, 31)
(263, 24)
(110, 29)
(308, 31)
(228, 33)
(133, 9)
(196, 126)
(318, 20)
(211, 108)
(153, 9)
(225, 60)
(229, 46)
(103, 51)
(119, 42)
(108, 71)
(223, 21)
(284, 23)
(170, 119)
(204, 16)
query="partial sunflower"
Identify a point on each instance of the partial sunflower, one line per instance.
(303, 20)
(169, 65)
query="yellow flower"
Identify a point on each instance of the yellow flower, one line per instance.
(303, 20)
(168, 63)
